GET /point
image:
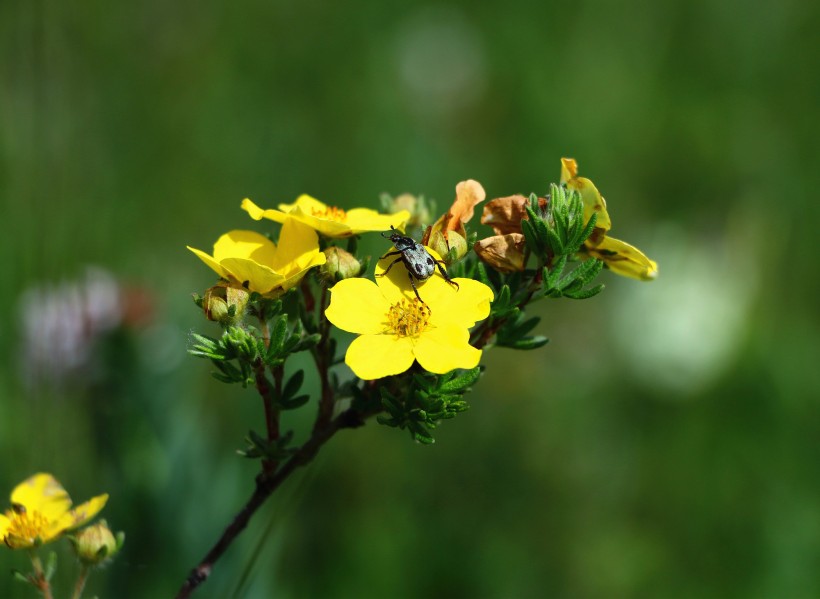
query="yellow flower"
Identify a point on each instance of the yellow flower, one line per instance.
(41, 511)
(619, 256)
(330, 221)
(254, 261)
(395, 328)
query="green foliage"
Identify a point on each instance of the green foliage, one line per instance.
(424, 400)
(273, 450)
(556, 229)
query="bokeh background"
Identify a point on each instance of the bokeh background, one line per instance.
(664, 444)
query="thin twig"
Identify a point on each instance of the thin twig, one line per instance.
(266, 484)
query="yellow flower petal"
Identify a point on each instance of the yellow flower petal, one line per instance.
(377, 356)
(210, 262)
(357, 306)
(257, 213)
(445, 348)
(86, 511)
(245, 244)
(257, 277)
(42, 493)
(625, 259)
(464, 306)
(306, 203)
(298, 249)
(361, 220)
(593, 200)
(329, 220)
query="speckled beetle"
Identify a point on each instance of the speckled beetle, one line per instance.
(418, 261)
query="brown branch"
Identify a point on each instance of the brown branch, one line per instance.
(266, 484)
(323, 359)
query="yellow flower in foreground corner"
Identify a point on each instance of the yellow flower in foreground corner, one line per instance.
(619, 256)
(41, 511)
(329, 220)
(253, 260)
(395, 328)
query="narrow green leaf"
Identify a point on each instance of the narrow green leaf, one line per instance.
(293, 385)
(526, 343)
(277, 334)
(462, 382)
(292, 404)
(481, 275)
(530, 236)
(586, 293)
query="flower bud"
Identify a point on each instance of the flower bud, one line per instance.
(446, 241)
(340, 264)
(225, 303)
(96, 544)
(505, 253)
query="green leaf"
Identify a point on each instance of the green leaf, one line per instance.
(277, 334)
(481, 275)
(292, 404)
(525, 343)
(530, 237)
(463, 382)
(586, 293)
(293, 385)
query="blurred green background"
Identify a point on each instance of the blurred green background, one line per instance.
(664, 444)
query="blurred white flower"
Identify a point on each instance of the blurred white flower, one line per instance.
(62, 322)
(681, 333)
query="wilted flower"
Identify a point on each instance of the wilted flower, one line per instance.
(621, 257)
(448, 232)
(504, 215)
(329, 220)
(254, 261)
(505, 253)
(41, 511)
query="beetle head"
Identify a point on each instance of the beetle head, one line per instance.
(401, 242)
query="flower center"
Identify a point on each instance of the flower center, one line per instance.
(25, 525)
(408, 318)
(330, 213)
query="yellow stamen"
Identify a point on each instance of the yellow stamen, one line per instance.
(25, 525)
(330, 213)
(408, 318)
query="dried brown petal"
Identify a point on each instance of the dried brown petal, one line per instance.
(505, 253)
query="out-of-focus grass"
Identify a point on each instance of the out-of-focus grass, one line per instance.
(663, 444)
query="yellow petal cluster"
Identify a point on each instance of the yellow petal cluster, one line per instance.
(330, 221)
(41, 511)
(619, 256)
(253, 260)
(396, 329)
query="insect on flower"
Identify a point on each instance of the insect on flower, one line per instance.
(418, 261)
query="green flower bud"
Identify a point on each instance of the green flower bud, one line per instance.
(339, 265)
(96, 544)
(445, 242)
(225, 303)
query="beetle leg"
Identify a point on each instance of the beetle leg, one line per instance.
(396, 253)
(444, 273)
(413, 285)
(387, 270)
